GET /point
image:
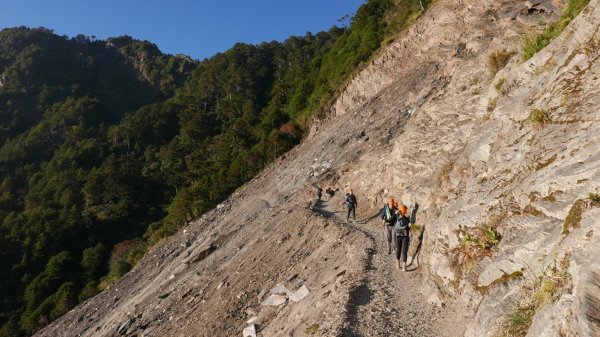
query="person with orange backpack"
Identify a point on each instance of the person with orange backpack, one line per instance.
(388, 217)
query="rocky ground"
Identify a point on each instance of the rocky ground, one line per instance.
(388, 301)
(427, 122)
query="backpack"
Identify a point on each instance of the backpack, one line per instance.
(401, 227)
(387, 214)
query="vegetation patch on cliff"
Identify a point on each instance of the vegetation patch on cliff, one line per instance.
(498, 60)
(536, 42)
(539, 116)
(476, 242)
(543, 289)
(573, 219)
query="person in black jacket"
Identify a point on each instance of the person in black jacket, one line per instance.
(351, 205)
(319, 192)
(402, 232)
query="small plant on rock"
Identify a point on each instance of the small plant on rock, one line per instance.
(476, 243)
(539, 116)
(492, 104)
(313, 329)
(594, 197)
(498, 60)
(500, 84)
(492, 236)
(543, 289)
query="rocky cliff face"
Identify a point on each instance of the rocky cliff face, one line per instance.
(502, 166)
(475, 154)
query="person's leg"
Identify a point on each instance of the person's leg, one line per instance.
(348, 215)
(404, 251)
(388, 235)
(354, 214)
(397, 242)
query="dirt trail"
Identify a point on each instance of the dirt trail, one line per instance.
(388, 302)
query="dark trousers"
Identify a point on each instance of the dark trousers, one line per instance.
(351, 209)
(402, 247)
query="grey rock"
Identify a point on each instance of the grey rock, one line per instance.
(123, 327)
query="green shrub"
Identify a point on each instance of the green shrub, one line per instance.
(313, 329)
(539, 116)
(476, 243)
(594, 197)
(123, 257)
(90, 290)
(536, 42)
(543, 289)
(498, 60)
(517, 321)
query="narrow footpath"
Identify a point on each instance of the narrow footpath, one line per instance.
(389, 301)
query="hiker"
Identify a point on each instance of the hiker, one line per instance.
(388, 216)
(402, 232)
(319, 192)
(351, 205)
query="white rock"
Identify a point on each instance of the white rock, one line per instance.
(274, 300)
(252, 320)
(249, 331)
(299, 294)
(281, 290)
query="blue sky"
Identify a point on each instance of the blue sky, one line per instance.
(197, 28)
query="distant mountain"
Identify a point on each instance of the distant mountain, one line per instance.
(58, 99)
